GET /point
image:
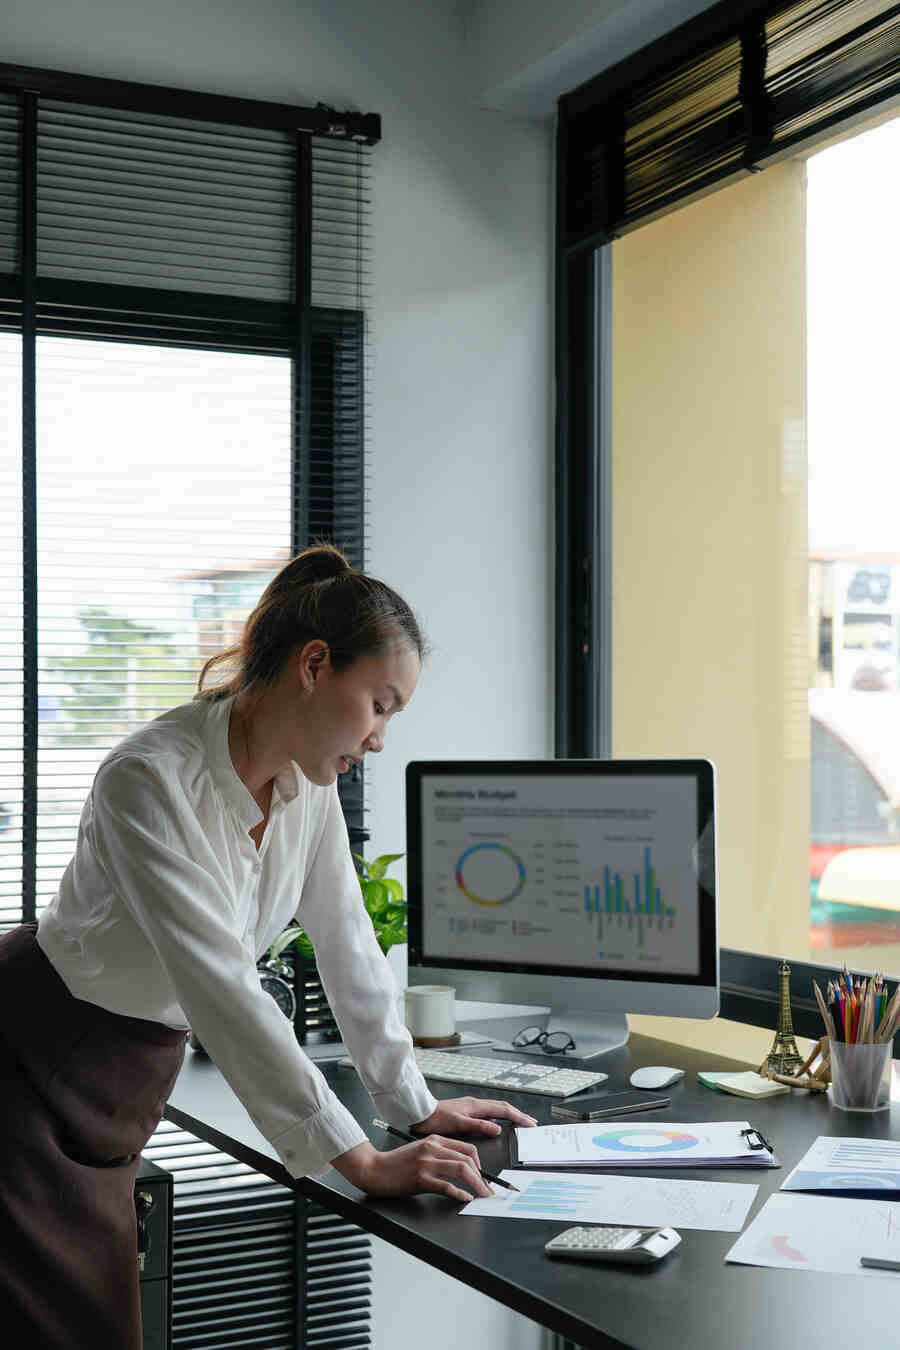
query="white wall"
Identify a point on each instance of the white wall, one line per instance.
(524, 54)
(460, 477)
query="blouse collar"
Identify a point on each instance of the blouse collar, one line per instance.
(227, 780)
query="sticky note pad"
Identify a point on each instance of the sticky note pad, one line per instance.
(745, 1084)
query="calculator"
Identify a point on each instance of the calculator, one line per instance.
(607, 1243)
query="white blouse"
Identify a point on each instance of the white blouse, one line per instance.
(166, 907)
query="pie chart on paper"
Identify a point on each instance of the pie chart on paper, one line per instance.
(646, 1141)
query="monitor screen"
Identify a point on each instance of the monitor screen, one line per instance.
(582, 869)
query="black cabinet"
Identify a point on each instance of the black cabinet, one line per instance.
(153, 1211)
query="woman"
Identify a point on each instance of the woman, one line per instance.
(201, 833)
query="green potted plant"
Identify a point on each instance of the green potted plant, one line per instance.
(386, 906)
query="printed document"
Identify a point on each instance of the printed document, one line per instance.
(821, 1232)
(648, 1202)
(835, 1164)
(640, 1144)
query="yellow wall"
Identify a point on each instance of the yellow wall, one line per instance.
(710, 647)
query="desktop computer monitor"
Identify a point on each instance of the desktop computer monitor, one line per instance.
(588, 886)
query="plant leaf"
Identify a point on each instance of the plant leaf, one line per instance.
(391, 936)
(378, 866)
(377, 897)
(284, 940)
(303, 944)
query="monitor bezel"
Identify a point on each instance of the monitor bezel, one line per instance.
(701, 770)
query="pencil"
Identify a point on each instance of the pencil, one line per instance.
(826, 1015)
(414, 1139)
(889, 1019)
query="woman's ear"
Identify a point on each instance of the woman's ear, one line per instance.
(312, 659)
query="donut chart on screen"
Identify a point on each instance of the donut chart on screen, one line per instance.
(517, 875)
(638, 1141)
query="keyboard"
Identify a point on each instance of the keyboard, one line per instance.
(512, 1075)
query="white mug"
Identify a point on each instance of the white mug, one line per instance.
(430, 1012)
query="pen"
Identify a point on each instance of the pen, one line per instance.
(414, 1139)
(879, 1263)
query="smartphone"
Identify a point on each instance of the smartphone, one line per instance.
(599, 1105)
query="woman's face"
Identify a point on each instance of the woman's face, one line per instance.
(345, 713)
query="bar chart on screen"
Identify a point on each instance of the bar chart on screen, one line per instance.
(635, 902)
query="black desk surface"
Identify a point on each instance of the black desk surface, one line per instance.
(691, 1299)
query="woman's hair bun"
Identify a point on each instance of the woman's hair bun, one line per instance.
(319, 562)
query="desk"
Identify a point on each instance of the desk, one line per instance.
(692, 1299)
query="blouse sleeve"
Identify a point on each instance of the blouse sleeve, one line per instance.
(161, 865)
(357, 979)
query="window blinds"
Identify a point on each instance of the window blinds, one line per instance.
(716, 99)
(339, 289)
(11, 631)
(340, 219)
(164, 202)
(10, 222)
(335, 488)
(828, 61)
(190, 335)
(164, 227)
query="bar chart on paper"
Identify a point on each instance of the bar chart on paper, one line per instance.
(844, 1164)
(645, 1201)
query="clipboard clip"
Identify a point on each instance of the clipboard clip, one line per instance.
(756, 1140)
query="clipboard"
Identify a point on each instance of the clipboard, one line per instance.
(759, 1151)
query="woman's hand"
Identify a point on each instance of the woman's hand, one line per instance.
(466, 1115)
(432, 1164)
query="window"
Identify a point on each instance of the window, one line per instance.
(853, 217)
(709, 597)
(726, 558)
(755, 606)
(164, 482)
(182, 349)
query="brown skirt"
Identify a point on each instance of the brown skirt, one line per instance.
(81, 1091)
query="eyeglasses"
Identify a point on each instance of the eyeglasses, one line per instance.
(551, 1042)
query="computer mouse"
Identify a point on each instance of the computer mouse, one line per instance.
(655, 1076)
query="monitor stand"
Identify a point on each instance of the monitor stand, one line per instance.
(593, 1035)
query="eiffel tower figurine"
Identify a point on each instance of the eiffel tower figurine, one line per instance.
(784, 1057)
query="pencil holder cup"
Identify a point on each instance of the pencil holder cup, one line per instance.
(860, 1076)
